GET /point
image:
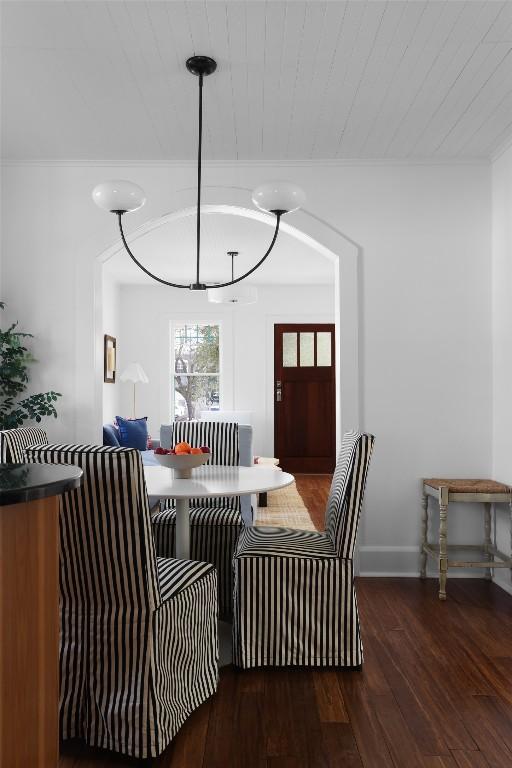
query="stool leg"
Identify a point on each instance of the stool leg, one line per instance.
(424, 535)
(487, 541)
(443, 543)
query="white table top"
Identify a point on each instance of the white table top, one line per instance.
(215, 481)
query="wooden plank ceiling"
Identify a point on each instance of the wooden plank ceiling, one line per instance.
(296, 80)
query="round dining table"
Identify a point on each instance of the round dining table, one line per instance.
(208, 482)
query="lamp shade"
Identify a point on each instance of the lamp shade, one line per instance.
(135, 373)
(118, 195)
(233, 294)
(278, 196)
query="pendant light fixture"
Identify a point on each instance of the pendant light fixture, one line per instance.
(120, 197)
(233, 293)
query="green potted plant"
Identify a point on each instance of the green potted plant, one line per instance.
(15, 359)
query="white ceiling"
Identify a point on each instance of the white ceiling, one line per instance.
(169, 252)
(296, 80)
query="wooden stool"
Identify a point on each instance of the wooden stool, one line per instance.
(263, 461)
(485, 492)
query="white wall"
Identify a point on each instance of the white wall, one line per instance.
(246, 346)
(111, 326)
(502, 343)
(425, 314)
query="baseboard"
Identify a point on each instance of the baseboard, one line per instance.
(404, 562)
(454, 574)
(388, 561)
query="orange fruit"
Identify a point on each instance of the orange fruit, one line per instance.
(195, 451)
(182, 451)
(182, 447)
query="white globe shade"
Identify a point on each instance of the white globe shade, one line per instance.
(278, 196)
(233, 294)
(118, 195)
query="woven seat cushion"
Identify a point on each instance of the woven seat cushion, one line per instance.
(284, 542)
(467, 486)
(176, 575)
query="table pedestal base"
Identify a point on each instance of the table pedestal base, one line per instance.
(182, 529)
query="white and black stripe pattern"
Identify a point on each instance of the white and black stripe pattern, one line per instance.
(294, 596)
(176, 575)
(214, 535)
(14, 441)
(347, 490)
(258, 541)
(215, 523)
(307, 615)
(222, 439)
(138, 643)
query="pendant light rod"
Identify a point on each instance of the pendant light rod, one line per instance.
(120, 197)
(197, 285)
(260, 262)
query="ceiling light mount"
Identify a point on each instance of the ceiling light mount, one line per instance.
(120, 197)
(201, 65)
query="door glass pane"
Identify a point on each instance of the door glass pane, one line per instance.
(323, 348)
(307, 349)
(289, 350)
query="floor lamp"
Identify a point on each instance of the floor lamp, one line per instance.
(136, 374)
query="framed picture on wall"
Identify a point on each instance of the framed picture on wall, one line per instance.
(109, 359)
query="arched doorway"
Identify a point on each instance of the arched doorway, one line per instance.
(307, 228)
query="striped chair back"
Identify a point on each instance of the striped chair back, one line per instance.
(14, 441)
(108, 560)
(222, 439)
(347, 491)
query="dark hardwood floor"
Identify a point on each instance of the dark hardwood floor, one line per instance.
(435, 690)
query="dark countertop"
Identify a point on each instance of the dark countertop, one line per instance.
(28, 482)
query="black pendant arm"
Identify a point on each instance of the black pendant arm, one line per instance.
(260, 262)
(140, 266)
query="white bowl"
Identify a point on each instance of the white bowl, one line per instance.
(182, 463)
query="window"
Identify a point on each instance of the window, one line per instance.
(196, 370)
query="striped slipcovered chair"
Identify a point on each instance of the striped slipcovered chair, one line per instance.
(14, 441)
(295, 602)
(138, 640)
(215, 524)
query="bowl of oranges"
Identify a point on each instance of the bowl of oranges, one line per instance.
(183, 458)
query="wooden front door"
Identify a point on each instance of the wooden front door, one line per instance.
(304, 397)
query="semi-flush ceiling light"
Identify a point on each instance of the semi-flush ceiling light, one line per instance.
(119, 197)
(233, 292)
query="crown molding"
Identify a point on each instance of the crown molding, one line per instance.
(320, 163)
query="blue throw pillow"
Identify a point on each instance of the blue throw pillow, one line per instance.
(133, 433)
(110, 435)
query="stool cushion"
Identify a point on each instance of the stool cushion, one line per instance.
(468, 486)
